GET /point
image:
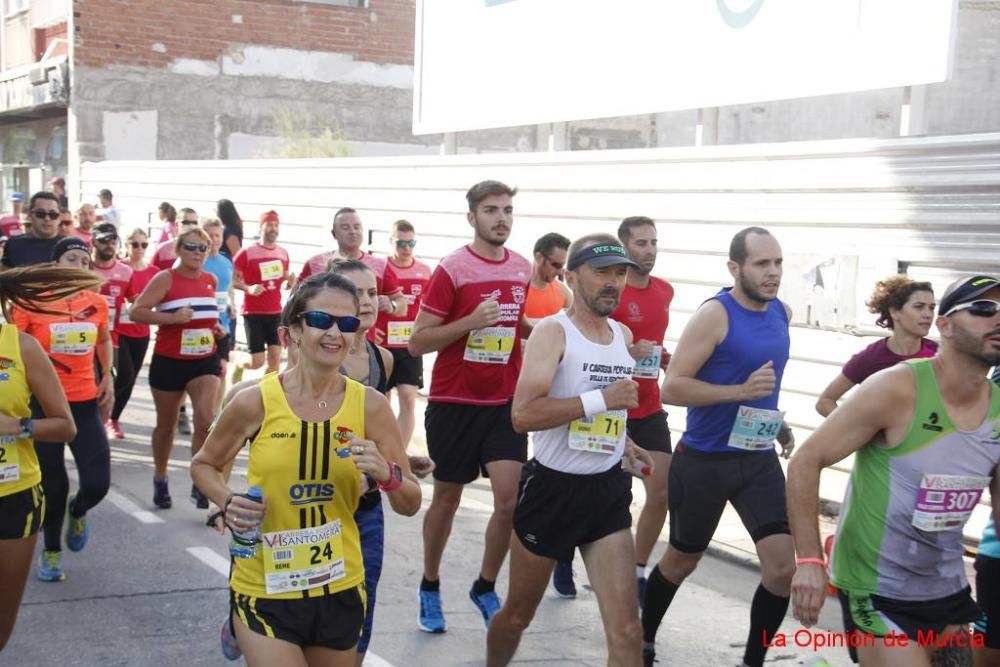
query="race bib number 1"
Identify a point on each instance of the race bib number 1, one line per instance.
(600, 434)
(492, 345)
(399, 333)
(72, 338)
(297, 560)
(10, 465)
(196, 342)
(648, 367)
(946, 501)
(755, 428)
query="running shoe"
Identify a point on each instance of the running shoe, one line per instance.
(161, 494)
(50, 566)
(648, 655)
(641, 581)
(431, 616)
(488, 604)
(562, 581)
(183, 423)
(115, 430)
(230, 645)
(199, 499)
(77, 530)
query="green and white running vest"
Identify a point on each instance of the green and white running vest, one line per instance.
(901, 524)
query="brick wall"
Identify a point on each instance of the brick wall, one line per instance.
(123, 32)
(42, 37)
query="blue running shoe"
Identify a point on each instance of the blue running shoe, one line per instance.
(77, 530)
(50, 566)
(488, 604)
(431, 616)
(642, 590)
(230, 645)
(562, 581)
(161, 494)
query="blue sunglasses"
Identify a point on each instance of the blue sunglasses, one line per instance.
(317, 319)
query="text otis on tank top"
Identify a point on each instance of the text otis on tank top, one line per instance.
(586, 446)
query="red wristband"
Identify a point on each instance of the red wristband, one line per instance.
(394, 481)
(808, 561)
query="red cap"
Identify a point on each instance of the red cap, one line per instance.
(58, 180)
(269, 216)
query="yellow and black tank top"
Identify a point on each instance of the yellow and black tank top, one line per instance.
(310, 544)
(18, 464)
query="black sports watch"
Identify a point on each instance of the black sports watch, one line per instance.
(27, 428)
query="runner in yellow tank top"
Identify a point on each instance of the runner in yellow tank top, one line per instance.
(314, 434)
(26, 373)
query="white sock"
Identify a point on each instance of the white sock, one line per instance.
(640, 571)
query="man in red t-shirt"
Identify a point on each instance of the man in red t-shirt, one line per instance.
(117, 275)
(260, 270)
(472, 316)
(349, 233)
(645, 309)
(394, 330)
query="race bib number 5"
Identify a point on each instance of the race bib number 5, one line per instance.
(946, 501)
(297, 560)
(755, 428)
(492, 345)
(196, 342)
(72, 338)
(601, 434)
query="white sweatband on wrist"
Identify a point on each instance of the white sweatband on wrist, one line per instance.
(593, 402)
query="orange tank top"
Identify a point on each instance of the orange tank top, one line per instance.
(544, 302)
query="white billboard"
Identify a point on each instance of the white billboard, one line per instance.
(498, 63)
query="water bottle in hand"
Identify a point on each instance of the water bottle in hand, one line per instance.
(244, 542)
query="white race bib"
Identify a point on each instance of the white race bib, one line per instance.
(755, 428)
(491, 345)
(72, 338)
(297, 560)
(196, 342)
(10, 464)
(271, 269)
(600, 434)
(399, 333)
(648, 367)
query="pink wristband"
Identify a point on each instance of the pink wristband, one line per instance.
(393, 483)
(812, 561)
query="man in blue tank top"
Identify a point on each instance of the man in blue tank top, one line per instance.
(727, 370)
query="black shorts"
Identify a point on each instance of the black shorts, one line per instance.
(262, 331)
(22, 513)
(650, 432)
(406, 369)
(988, 596)
(700, 484)
(331, 621)
(169, 374)
(462, 439)
(557, 511)
(877, 616)
(223, 346)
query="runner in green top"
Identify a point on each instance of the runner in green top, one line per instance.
(927, 437)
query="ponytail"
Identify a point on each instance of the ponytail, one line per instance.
(28, 286)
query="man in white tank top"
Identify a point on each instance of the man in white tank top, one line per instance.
(573, 393)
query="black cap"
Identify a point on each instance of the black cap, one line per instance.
(67, 243)
(600, 255)
(104, 230)
(965, 290)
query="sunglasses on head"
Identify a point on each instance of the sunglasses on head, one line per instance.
(406, 244)
(41, 214)
(65, 223)
(107, 239)
(980, 308)
(139, 244)
(192, 247)
(317, 319)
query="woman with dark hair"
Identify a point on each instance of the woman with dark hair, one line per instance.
(312, 608)
(28, 377)
(906, 308)
(73, 332)
(232, 228)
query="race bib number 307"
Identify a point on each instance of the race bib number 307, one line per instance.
(946, 501)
